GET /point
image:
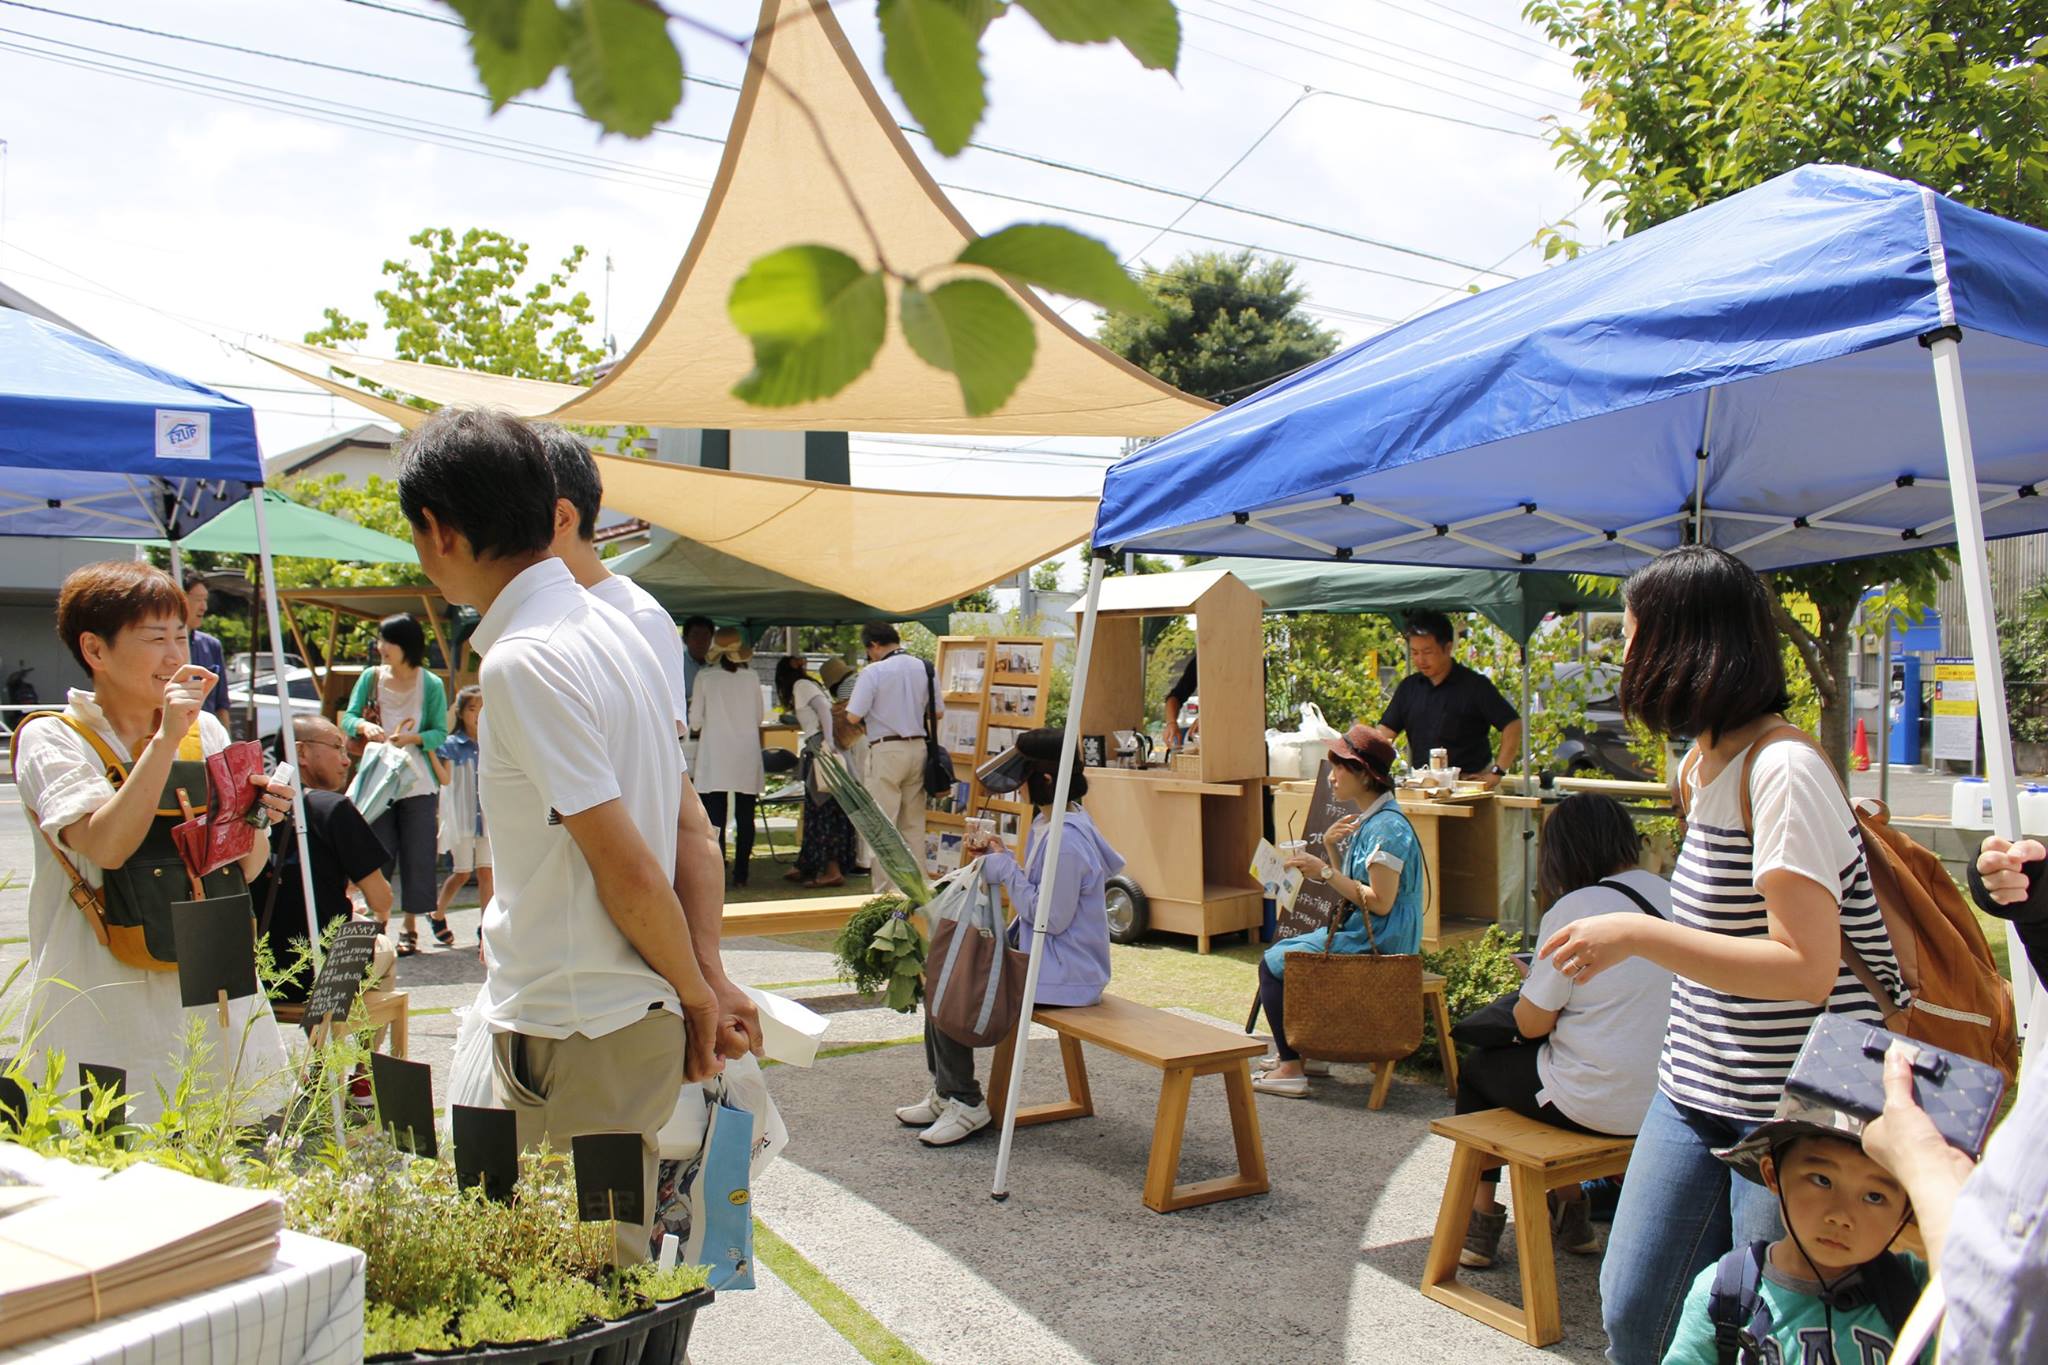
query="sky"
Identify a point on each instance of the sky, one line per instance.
(178, 197)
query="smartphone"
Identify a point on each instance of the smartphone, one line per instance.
(1524, 961)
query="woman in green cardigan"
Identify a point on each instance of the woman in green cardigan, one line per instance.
(400, 702)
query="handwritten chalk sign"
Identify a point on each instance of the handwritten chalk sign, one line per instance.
(1315, 901)
(334, 992)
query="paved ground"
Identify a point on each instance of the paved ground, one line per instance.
(1073, 1267)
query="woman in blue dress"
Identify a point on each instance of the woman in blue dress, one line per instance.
(1375, 866)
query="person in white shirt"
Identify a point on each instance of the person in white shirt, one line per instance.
(726, 711)
(892, 701)
(594, 993)
(579, 492)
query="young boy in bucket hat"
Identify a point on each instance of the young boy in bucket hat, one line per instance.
(1829, 1292)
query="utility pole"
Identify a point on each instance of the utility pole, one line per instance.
(611, 345)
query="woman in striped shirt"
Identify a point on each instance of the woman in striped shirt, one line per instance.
(1769, 884)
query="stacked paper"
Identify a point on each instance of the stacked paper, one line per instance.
(137, 1238)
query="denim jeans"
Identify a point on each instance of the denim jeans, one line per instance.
(1681, 1209)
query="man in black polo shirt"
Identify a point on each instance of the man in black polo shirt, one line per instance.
(344, 850)
(1445, 705)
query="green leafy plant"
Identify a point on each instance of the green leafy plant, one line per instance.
(1476, 972)
(904, 868)
(880, 952)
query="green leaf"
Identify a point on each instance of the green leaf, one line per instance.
(977, 332)
(933, 57)
(1149, 29)
(623, 68)
(516, 44)
(1062, 260)
(816, 319)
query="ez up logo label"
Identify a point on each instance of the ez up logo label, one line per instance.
(183, 435)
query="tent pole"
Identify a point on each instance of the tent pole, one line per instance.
(1528, 816)
(1884, 703)
(1699, 476)
(177, 565)
(1994, 721)
(1049, 890)
(285, 728)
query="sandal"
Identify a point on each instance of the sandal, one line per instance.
(443, 935)
(408, 943)
(817, 882)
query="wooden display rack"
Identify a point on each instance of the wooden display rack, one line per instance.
(1187, 833)
(975, 673)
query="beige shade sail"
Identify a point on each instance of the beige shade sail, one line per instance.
(902, 552)
(776, 187)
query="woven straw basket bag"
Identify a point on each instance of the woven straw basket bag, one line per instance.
(1354, 1007)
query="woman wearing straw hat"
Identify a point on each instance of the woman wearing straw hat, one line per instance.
(1377, 869)
(726, 711)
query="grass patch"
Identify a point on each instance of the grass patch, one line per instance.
(10, 942)
(1170, 975)
(432, 1009)
(799, 985)
(830, 1302)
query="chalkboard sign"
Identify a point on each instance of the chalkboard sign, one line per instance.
(341, 977)
(405, 1102)
(1312, 906)
(486, 1150)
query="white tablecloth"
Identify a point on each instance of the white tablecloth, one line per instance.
(307, 1309)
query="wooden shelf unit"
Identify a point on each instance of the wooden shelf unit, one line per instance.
(972, 660)
(1187, 834)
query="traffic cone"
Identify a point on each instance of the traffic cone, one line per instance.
(1860, 751)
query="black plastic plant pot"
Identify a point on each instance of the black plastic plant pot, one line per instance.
(655, 1336)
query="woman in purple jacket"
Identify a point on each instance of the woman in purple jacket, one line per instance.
(1075, 967)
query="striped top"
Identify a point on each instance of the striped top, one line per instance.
(1729, 1054)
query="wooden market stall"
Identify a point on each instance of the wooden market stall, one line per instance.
(1187, 831)
(995, 688)
(371, 604)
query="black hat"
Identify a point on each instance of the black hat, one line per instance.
(1042, 745)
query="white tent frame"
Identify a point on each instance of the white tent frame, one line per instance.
(1967, 517)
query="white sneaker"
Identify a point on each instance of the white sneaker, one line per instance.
(1272, 1060)
(956, 1121)
(924, 1113)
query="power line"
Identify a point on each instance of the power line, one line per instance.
(1387, 72)
(990, 148)
(1361, 99)
(1547, 92)
(1545, 49)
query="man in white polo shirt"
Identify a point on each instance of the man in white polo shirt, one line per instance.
(890, 699)
(597, 1006)
(700, 866)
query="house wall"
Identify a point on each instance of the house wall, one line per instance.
(31, 570)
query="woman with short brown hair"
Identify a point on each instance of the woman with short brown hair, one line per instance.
(92, 778)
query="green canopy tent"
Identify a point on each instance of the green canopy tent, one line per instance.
(1516, 602)
(692, 579)
(296, 530)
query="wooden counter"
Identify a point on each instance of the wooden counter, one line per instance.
(1187, 843)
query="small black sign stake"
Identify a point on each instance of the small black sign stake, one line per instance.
(216, 952)
(405, 1102)
(107, 1079)
(609, 1180)
(486, 1150)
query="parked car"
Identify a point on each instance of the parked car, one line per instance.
(1600, 746)
(300, 685)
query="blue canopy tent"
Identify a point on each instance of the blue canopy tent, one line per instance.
(1779, 374)
(95, 443)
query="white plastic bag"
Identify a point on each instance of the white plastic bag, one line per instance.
(743, 1086)
(469, 1071)
(1299, 755)
(789, 1030)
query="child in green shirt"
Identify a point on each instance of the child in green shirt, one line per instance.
(1829, 1292)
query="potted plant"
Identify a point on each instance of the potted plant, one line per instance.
(450, 1274)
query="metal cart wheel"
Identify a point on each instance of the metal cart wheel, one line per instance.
(1129, 911)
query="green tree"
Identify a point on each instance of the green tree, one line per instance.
(1689, 101)
(1328, 660)
(1046, 577)
(1222, 327)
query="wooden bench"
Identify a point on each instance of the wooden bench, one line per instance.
(391, 1009)
(1539, 1159)
(799, 915)
(1180, 1048)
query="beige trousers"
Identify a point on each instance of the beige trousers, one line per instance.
(896, 780)
(624, 1082)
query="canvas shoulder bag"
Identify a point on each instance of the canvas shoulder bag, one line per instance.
(130, 912)
(974, 980)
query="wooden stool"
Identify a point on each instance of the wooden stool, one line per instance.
(1433, 1003)
(1182, 1049)
(385, 1008)
(1539, 1159)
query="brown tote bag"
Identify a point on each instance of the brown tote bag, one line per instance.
(1354, 1007)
